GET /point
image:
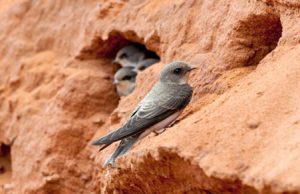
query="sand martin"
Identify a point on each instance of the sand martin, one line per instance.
(159, 108)
(130, 55)
(124, 80)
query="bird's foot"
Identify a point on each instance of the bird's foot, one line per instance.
(158, 132)
(109, 164)
(173, 123)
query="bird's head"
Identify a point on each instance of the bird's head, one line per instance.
(129, 55)
(176, 72)
(125, 74)
(124, 80)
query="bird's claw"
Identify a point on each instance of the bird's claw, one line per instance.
(109, 164)
(158, 132)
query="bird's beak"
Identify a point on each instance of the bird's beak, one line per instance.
(115, 61)
(192, 68)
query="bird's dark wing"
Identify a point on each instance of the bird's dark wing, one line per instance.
(146, 115)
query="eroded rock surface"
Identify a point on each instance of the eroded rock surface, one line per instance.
(240, 133)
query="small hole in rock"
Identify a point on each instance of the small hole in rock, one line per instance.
(5, 164)
(255, 37)
(125, 52)
(100, 48)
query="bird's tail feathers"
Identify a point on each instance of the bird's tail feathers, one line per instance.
(108, 139)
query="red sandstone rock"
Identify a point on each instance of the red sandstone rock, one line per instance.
(240, 134)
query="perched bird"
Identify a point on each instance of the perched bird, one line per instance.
(144, 64)
(124, 80)
(160, 107)
(130, 55)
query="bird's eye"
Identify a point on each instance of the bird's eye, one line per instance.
(124, 55)
(177, 71)
(127, 77)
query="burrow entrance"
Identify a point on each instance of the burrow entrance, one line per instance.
(110, 48)
(5, 164)
(253, 38)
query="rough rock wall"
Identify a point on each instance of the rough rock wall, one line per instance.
(240, 134)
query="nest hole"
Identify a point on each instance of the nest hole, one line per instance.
(107, 49)
(257, 35)
(5, 164)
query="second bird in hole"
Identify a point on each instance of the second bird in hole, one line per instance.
(133, 59)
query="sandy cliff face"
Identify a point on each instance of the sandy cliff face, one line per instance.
(240, 133)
